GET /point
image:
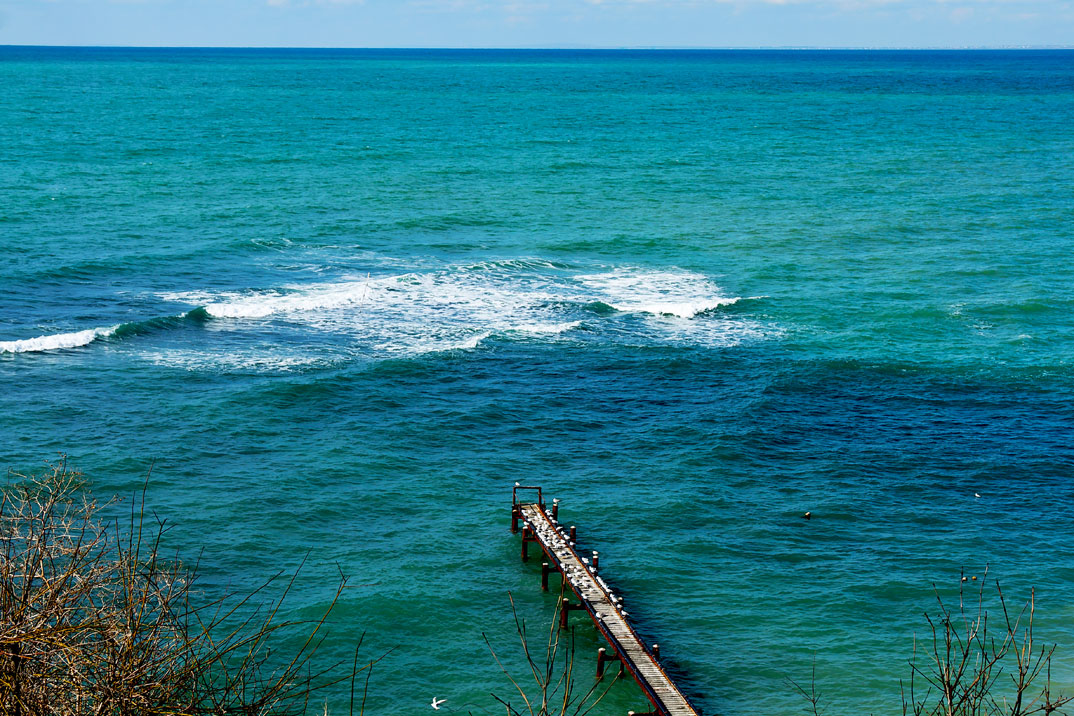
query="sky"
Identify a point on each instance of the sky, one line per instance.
(539, 23)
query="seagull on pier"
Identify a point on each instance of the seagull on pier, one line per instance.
(436, 703)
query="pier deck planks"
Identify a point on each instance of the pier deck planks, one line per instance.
(636, 659)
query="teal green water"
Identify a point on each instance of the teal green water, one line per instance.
(344, 300)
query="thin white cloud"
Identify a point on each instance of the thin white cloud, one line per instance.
(524, 11)
(308, 3)
(846, 4)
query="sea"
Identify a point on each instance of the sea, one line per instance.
(336, 303)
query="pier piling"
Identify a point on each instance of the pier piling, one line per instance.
(526, 537)
(565, 608)
(603, 657)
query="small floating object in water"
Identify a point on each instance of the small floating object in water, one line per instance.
(975, 577)
(977, 495)
(807, 516)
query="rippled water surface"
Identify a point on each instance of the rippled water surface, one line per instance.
(344, 300)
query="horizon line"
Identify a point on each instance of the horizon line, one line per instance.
(551, 48)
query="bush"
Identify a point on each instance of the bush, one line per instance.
(970, 665)
(976, 668)
(556, 690)
(94, 620)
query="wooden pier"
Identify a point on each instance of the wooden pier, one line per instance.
(581, 575)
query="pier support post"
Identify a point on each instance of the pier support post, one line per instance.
(544, 576)
(516, 513)
(526, 544)
(596, 560)
(565, 608)
(555, 509)
(656, 652)
(603, 658)
(574, 533)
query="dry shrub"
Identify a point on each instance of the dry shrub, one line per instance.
(971, 664)
(977, 666)
(555, 690)
(94, 620)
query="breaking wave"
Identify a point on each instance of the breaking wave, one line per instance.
(58, 341)
(662, 293)
(458, 308)
(424, 311)
(77, 339)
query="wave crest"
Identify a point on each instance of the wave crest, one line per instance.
(58, 341)
(77, 339)
(684, 294)
(458, 307)
(424, 311)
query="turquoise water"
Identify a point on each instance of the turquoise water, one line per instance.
(344, 300)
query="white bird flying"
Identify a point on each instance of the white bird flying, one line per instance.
(437, 702)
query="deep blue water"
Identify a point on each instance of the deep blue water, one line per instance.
(343, 300)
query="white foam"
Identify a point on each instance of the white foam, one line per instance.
(58, 341)
(458, 307)
(548, 328)
(471, 343)
(247, 361)
(682, 310)
(195, 297)
(321, 297)
(661, 293)
(420, 345)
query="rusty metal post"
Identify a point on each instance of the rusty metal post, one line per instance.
(596, 558)
(516, 513)
(525, 544)
(600, 662)
(555, 509)
(656, 652)
(544, 576)
(564, 611)
(574, 533)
